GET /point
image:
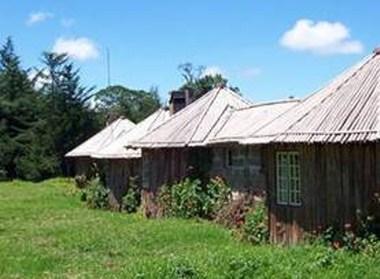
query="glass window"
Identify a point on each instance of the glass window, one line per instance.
(288, 178)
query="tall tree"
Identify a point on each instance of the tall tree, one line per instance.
(115, 101)
(24, 153)
(69, 116)
(198, 83)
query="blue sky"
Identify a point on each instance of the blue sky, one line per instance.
(269, 49)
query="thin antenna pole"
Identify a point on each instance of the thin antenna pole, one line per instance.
(108, 67)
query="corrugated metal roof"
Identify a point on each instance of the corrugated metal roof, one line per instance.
(193, 125)
(241, 123)
(117, 149)
(347, 110)
(103, 138)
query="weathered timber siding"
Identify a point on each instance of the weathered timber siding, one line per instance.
(246, 178)
(117, 175)
(80, 165)
(337, 181)
(170, 165)
(163, 166)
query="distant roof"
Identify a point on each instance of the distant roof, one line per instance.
(193, 125)
(117, 149)
(346, 110)
(102, 139)
(242, 123)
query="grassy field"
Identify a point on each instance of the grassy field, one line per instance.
(45, 232)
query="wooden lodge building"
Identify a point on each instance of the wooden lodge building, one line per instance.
(80, 158)
(322, 156)
(317, 159)
(180, 146)
(120, 163)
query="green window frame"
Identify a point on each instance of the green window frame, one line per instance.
(288, 182)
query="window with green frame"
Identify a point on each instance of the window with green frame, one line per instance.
(288, 180)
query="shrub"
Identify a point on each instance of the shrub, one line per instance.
(132, 199)
(218, 194)
(149, 205)
(356, 240)
(81, 181)
(255, 228)
(189, 198)
(96, 195)
(232, 214)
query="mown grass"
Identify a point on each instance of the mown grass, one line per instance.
(46, 232)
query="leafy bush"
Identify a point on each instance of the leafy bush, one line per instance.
(232, 214)
(218, 194)
(96, 195)
(81, 181)
(359, 237)
(255, 228)
(189, 198)
(132, 199)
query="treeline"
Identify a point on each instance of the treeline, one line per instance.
(44, 113)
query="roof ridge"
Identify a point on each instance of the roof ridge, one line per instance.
(269, 103)
(355, 69)
(240, 97)
(232, 110)
(158, 112)
(112, 130)
(176, 115)
(204, 114)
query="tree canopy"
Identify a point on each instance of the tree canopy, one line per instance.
(136, 105)
(199, 83)
(47, 112)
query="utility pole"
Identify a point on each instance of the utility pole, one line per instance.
(108, 67)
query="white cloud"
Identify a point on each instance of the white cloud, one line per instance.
(250, 72)
(320, 37)
(212, 71)
(38, 17)
(67, 22)
(77, 48)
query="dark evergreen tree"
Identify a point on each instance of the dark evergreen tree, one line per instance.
(69, 116)
(24, 154)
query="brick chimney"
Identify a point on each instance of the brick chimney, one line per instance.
(179, 99)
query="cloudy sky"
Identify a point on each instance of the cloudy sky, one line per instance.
(269, 49)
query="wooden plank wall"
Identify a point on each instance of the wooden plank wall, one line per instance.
(170, 165)
(338, 181)
(117, 174)
(163, 166)
(82, 165)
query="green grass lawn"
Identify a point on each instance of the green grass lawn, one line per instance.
(45, 231)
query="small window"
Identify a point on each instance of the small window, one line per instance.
(235, 157)
(288, 178)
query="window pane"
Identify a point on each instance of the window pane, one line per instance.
(288, 178)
